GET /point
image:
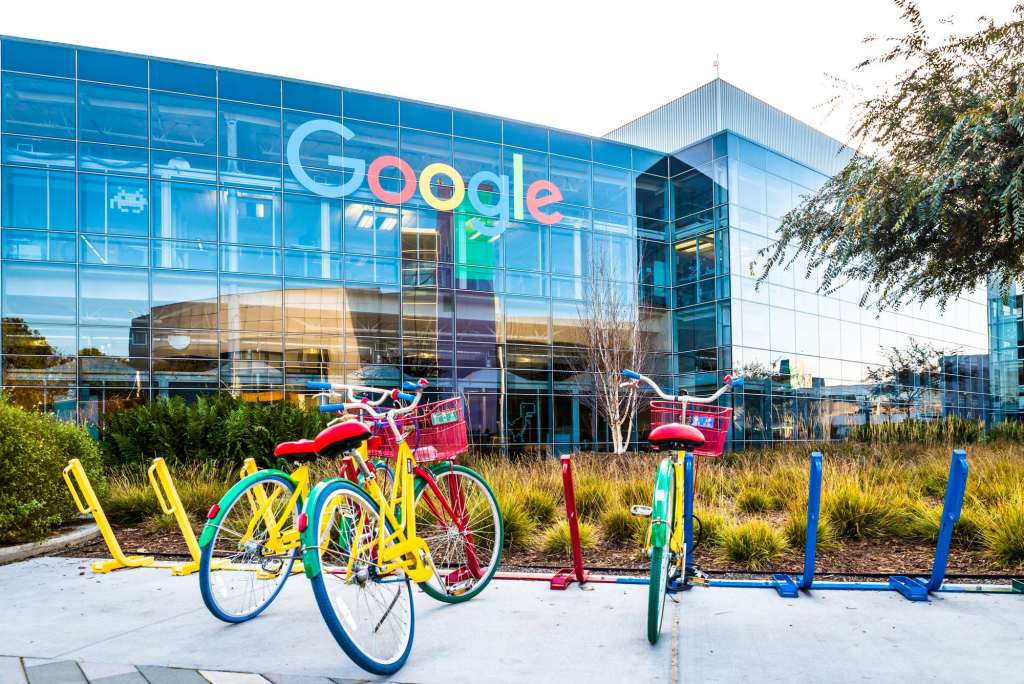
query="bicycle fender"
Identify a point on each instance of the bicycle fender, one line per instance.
(213, 523)
(660, 503)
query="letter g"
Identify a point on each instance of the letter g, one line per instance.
(358, 166)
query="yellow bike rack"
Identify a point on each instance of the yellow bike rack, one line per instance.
(167, 493)
(93, 507)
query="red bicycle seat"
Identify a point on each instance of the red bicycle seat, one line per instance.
(339, 438)
(676, 436)
(296, 450)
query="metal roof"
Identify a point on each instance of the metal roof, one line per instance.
(719, 106)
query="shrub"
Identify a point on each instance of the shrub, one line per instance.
(951, 430)
(593, 497)
(638, 491)
(217, 428)
(753, 544)
(751, 500)
(519, 523)
(861, 511)
(1003, 535)
(558, 540)
(795, 531)
(921, 522)
(34, 449)
(541, 504)
(622, 528)
(712, 524)
(1007, 431)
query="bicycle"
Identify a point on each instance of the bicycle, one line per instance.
(704, 433)
(361, 548)
(249, 551)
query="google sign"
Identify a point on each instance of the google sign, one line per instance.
(538, 195)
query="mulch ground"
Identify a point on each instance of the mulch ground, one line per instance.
(860, 557)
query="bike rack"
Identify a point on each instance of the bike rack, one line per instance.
(167, 493)
(566, 576)
(92, 507)
(784, 584)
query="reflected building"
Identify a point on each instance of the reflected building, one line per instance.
(173, 229)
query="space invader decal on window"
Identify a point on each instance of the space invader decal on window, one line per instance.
(128, 202)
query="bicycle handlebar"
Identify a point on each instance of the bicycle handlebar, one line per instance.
(369, 407)
(634, 378)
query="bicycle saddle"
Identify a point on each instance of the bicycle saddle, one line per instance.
(675, 436)
(332, 441)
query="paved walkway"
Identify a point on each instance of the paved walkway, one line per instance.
(61, 623)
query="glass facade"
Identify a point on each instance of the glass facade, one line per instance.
(175, 229)
(1006, 337)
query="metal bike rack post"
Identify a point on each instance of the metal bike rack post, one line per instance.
(563, 578)
(170, 503)
(915, 589)
(784, 584)
(92, 507)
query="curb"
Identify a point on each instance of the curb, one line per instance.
(72, 537)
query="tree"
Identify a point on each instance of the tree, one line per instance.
(909, 373)
(613, 339)
(940, 207)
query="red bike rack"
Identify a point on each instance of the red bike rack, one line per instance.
(566, 576)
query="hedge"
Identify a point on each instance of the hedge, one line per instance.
(34, 449)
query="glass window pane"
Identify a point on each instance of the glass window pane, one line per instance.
(526, 247)
(184, 166)
(249, 88)
(183, 122)
(312, 98)
(113, 158)
(250, 217)
(426, 117)
(46, 152)
(570, 252)
(38, 245)
(184, 300)
(38, 106)
(113, 114)
(477, 126)
(37, 58)
(312, 222)
(312, 265)
(184, 211)
(371, 229)
(113, 68)
(262, 260)
(190, 255)
(370, 107)
(251, 303)
(572, 178)
(39, 293)
(182, 78)
(114, 251)
(38, 199)
(113, 204)
(113, 296)
(250, 132)
(612, 189)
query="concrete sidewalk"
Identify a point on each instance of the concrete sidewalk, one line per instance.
(514, 632)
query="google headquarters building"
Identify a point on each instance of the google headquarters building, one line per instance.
(173, 229)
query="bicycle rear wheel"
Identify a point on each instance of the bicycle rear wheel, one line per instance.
(457, 515)
(661, 557)
(369, 612)
(243, 567)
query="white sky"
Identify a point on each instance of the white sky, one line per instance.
(583, 66)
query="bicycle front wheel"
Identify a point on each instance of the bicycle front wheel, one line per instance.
(457, 515)
(244, 566)
(368, 610)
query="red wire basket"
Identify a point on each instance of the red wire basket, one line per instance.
(434, 431)
(713, 421)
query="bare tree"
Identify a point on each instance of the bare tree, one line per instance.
(613, 339)
(910, 375)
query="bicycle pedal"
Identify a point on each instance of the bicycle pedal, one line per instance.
(460, 588)
(640, 511)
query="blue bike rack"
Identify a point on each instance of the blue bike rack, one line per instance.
(785, 585)
(912, 588)
(688, 506)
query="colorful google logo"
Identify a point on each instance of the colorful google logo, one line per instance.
(536, 197)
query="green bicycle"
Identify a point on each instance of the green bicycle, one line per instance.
(700, 430)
